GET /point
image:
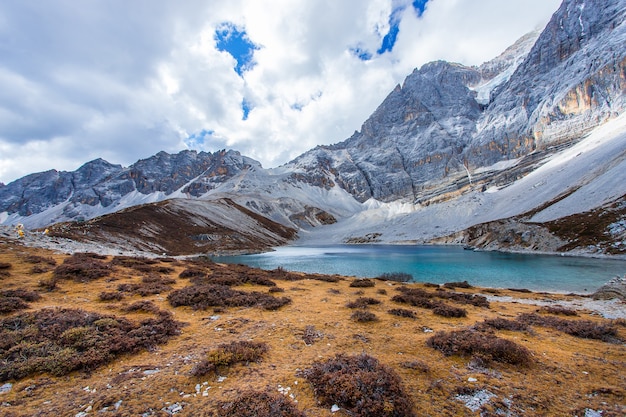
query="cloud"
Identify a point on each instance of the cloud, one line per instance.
(123, 80)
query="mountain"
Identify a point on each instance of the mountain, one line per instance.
(531, 137)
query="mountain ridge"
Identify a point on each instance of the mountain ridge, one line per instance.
(448, 135)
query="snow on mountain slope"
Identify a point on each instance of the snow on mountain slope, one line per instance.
(587, 175)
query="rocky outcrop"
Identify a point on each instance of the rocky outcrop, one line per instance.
(615, 288)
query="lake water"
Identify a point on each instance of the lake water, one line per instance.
(440, 264)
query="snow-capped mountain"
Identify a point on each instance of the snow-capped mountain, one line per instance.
(535, 135)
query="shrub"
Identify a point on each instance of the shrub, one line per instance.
(201, 297)
(431, 285)
(36, 259)
(276, 289)
(11, 304)
(25, 295)
(228, 354)
(462, 298)
(14, 300)
(361, 385)
(49, 284)
(59, 341)
(401, 312)
(396, 276)
(415, 297)
(259, 404)
(362, 283)
(363, 316)
(82, 267)
(499, 323)
(192, 272)
(483, 345)
(145, 306)
(110, 296)
(150, 285)
(142, 264)
(578, 328)
(363, 302)
(452, 285)
(231, 279)
(558, 310)
(445, 310)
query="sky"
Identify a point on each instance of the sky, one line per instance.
(122, 80)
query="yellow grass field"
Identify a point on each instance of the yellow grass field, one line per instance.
(566, 375)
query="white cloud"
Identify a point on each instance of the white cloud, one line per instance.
(123, 80)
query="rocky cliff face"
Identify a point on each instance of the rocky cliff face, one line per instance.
(414, 138)
(572, 80)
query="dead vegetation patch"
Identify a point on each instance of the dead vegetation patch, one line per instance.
(361, 385)
(59, 341)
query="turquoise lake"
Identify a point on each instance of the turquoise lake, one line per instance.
(440, 264)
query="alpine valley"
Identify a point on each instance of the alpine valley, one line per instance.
(525, 152)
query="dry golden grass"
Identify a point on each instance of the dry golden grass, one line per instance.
(567, 375)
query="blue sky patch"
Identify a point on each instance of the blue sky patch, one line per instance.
(235, 41)
(419, 6)
(246, 106)
(389, 40)
(196, 140)
(362, 54)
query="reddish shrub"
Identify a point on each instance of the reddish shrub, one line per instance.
(362, 283)
(25, 295)
(11, 304)
(201, 297)
(463, 284)
(110, 296)
(500, 323)
(360, 385)
(228, 354)
(483, 345)
(59, 341)
(445, 310)
(363, 302)
(259, 404)
(36, 259)
(401, 312)
(82, 267)
(579, 328)
(558, 310)
(363, 316)
(145, 306)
